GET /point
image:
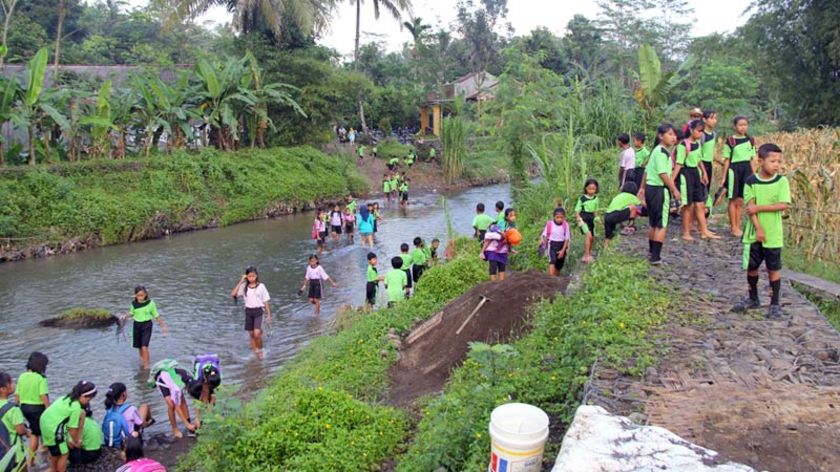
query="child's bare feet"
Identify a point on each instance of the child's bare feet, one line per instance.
(688, 237)
(710, 235)
(177, 434)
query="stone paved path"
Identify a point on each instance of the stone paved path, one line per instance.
(761, 392)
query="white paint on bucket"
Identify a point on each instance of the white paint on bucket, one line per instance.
(518, 432)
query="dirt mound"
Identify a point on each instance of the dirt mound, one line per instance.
(489, 312)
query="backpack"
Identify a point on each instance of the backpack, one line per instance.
(207, 363)
(731, 142)
(114, 427)
(685, 142)
(6, 439)
(167, 365)
(315, 227)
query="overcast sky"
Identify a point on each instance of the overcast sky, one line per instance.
(710, 16)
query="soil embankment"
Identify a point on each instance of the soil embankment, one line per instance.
(761, 392)
(491, 312)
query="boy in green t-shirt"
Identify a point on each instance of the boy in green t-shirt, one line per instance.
(481, 222)
(623, 207)
(361, 152)
(375, 151)
(393, 163)
(12, 418)
(406, 265)
(373, 279)
(419, 257)
(642, 156)
(396, 282)
(767, 195)
(432, 153)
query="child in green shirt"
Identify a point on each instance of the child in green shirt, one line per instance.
(738, 153)
(418, 259)
(481, 222)
(62, 423)
(32, 393)
(373, 279)
(143, 310)
(585, 209)
(623, 207)
(12, 418)
(766, 195)
(396, 282)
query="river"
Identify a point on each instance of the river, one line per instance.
(190, 276)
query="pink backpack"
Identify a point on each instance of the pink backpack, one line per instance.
(142, 465)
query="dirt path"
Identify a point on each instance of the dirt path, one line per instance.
(764, 393)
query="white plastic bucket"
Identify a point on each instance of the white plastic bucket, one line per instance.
(517, 438)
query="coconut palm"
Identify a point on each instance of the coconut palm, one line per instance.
(309, 15)
(418, 31)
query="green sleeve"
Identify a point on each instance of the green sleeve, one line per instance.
(15, 416)
(43, 387)
(727, 151)
(784, 191)
(578, 205)
(75, 415)
(153, 309)
(681, 154)
(475, 222)
(748, 193)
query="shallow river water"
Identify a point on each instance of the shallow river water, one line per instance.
(190, 277)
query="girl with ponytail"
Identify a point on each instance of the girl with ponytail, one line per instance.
(62, 423)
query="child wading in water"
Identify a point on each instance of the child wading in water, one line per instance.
(738, 152)
(143, 310)
(692, 178)
(62, 423)
(585, 209)
(336, 222)
(12, 418)
(655, 190)
(373, 279)
(315, 277)
(319, 230)
(349, 223)
(557, 237)
(365, 220)
(32, 393)
(171, 382)
(256, 304)
(767, 195)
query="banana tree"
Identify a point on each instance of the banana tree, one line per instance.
(35, 104)
(101, 122)
(653, 89)
(9, 92)
(222, 99)
(264, 95)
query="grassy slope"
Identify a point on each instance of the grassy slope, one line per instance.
(321, 412)
(118, 199)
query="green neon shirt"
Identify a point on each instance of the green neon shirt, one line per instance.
(406, 258)
(432, 152)
(694, 155)
(743, 151)
(394, 161)
(659, 163)
(386, 186)
(404, 187)
(361, 150)
(30, 387)
(92, 437)
(767, 192)
(58, 411)
(395, 283)
(372, 274)
(11, 420)
(418, 256)
(145, 312)
(642, 156)
(482, 221)
(708, 147)
(587, 204)
(352, 206)
(623, 200)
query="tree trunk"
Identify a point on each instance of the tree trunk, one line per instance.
(31, 129)
(61, 13)
(2, 155)
(6, 21)
(358, 32)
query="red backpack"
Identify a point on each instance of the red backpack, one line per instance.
(732, 142)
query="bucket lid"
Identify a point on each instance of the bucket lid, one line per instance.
(519, 419)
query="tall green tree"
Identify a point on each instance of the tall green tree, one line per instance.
(8, 9)
(308, 15)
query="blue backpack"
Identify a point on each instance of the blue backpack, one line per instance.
(115, 428)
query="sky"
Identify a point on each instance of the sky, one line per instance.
(710, 16)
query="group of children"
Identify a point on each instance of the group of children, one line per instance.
(66, 429)
(406, 270)
(395, 187)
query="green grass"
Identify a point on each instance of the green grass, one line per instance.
(123, 201)
(391, 148)
(795, 260)
(829, 307)
(548, 367)
(323, 410)
(86, 313)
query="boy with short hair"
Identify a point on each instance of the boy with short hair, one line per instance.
(481, 222)
(433, 250)
(642, 156)
(766, 195)
(406, 265)
(626, 160)
(373, 279)
(386, 187)
(396, 282)
(404, 191)
(419, 257)
(393, 163)
(623, 207)
(500, 214)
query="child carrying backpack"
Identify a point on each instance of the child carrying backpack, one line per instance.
(207, 371)
(12, 427)
(171, 382)
(121, 418)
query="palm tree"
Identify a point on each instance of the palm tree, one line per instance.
(418, 32)
(395, 8)
(309, 15)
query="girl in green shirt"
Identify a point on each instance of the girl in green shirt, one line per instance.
(63, 422)
(144, 310)
(12, 419)
(32, 393)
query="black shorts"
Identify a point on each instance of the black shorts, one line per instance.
(709, 169)
(417, 271)
(404, 196)
(253, 318)
(613, 219)
(629, 176)
(738, 174)
(637, 176)
(409, 277)
(348, 227)
(55, 451)
(141, 333)
(314, 289)
(692, 189)
(772, 258)
(589, 220)
(496, 267)
(375, 226)
(658, 200)
(481, 234)
(553, 247)
(83, 457)
(336, 229)
(322, 237)
(33, 413)
(370, 292)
